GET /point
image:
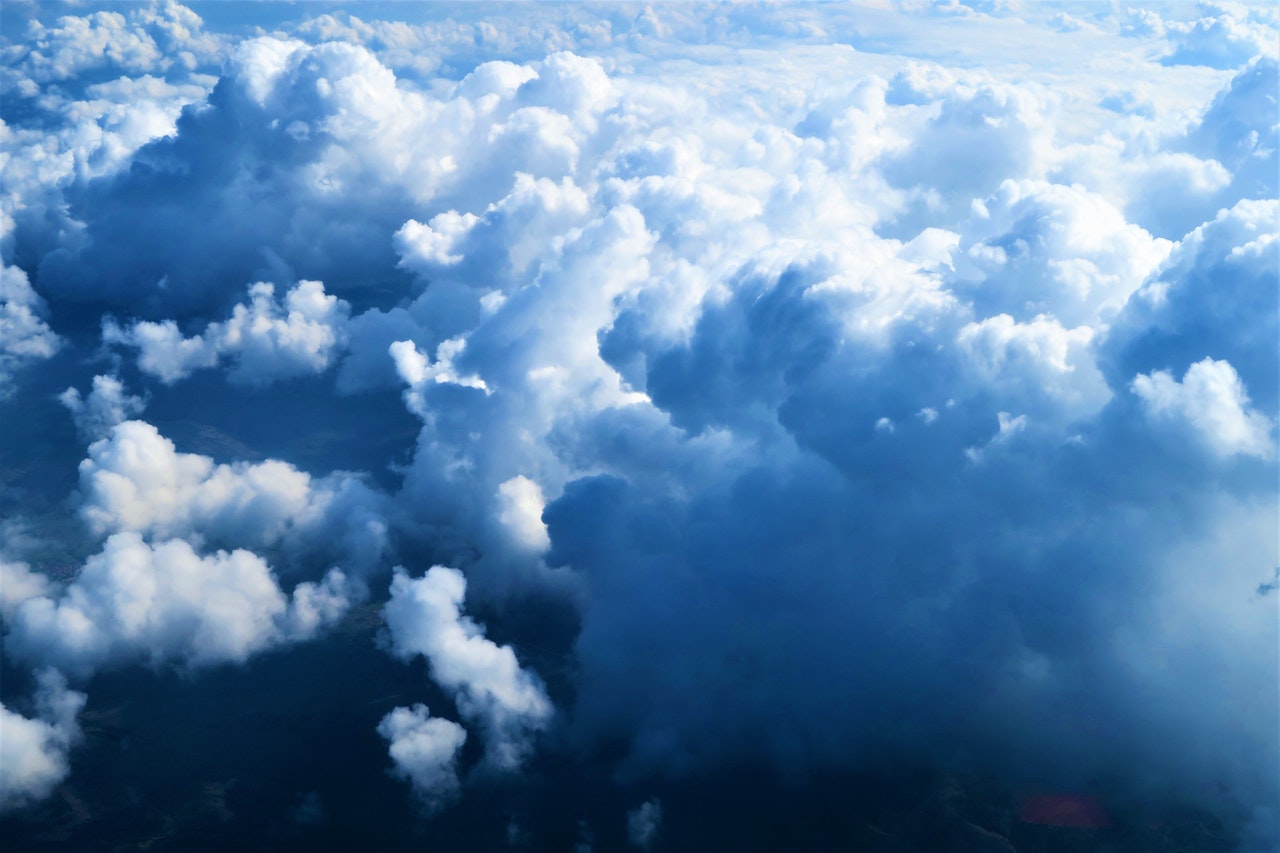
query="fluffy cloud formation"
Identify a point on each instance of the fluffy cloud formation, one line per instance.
(35, 748)
(107, 404)
(862, 399)
(1213, 402)
(162, 603)
(266, 340)
(136, 480)
(424, 617)
(425, 751)
(24, 334)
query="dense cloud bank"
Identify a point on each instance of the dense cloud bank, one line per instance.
(864, 397)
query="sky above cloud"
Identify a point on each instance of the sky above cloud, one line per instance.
(640, 396)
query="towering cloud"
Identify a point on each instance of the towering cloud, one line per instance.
(794, 387)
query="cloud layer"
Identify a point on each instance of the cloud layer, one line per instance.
(862, 397)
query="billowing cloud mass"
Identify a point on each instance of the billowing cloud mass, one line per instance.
(799, 390)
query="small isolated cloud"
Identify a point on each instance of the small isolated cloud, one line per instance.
(424, 617)
(425, 751)
(1212, 401)
(266, 340)
(107, 405)
(35, 748)
(164, 603)
(643, 824)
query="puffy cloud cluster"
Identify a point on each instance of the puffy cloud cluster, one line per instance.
(424, 617)
(861, 404)
(1210, 399)
(155, 604)
(148, 39)
(266, 340)
(135, 480)
(35, 748)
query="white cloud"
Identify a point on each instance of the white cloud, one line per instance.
(424, 617)
(18, 583)
(35, 748)
(24, 335)
(106, 405)
(164, 603)
(135, 480)
(703, 315)
(266, 340)
(425, 751)
(1212, 400)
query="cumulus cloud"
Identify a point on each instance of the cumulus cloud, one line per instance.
(266, 340)
(24, 335)
(106, 405)
(35, 748)
(863, 400)
(135, 480)
(1213, 402)
(425, 751)
(424, 617)
(164, 603)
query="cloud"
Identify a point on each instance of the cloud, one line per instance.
(1224, 40)
(18, 583)
(267, 340)
(425, 751)
(1213, 402)
(24, 335)
(865, 398)
(107, 405)
(35, 748)
(424, 617)
(164, 603)
(148, 39)
(643, 824)
(135, 480)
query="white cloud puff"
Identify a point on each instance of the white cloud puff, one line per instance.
(1212, 400)
(35, 748)
(164, 603)
(107, 404)
(24, 335)
(424, 617)
(136, 480)
(266, 340)
(425, 751)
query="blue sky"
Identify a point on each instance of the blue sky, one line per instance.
(642, 393)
